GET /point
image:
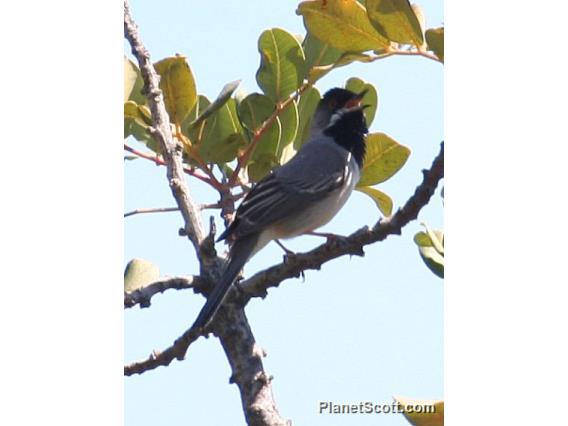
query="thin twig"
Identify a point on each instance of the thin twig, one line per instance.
(399, 52)
(159, 161)
(152, 210)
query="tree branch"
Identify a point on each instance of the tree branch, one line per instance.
(248, 371)
(245, 357)
(257, 285)
(294, 265)
(162, 132)
(143, 295)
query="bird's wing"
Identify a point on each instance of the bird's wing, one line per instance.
(291, 188)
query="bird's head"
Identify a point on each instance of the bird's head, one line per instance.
(333, 100)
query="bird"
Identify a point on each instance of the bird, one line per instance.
(300, 196)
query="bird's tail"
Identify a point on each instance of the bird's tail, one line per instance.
(241, 251)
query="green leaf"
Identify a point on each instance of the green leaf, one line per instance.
(289, 120)
(282, 64)
(383, 158)
(133, 83)
(223, 135)
(382, 200)
(139, 273)
(395, 20)
(349, 57)
(342, 24)
(435, 41)
(195, 133)
(178, 86)
(138, 112)
(260, 166)
(431, 248)
(306, 109)
(318, 54)
(424, 418)
(253, 111)
(371, 98)
(222, 98)
(287, 154)
(137, 121)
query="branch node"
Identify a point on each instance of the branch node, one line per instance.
(263, 378)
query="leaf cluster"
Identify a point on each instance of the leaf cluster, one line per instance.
(246, 135)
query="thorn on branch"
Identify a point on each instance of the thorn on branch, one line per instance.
(358, 251)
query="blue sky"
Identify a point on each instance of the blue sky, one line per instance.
(361, 329)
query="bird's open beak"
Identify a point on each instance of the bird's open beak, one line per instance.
(356, 100)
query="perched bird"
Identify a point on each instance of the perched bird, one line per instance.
(300, 196)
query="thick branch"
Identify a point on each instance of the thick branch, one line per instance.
(294, 265)
(257, 285)
(245, 357)
(142, 296)
(162, 132)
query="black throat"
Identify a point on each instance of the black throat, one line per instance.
(348, 130)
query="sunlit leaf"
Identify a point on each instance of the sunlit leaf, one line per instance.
(417, 413)
(421, 20)
(281, 63)
(138, 112)
(431, 248)
(435, 41)
(382, 200)
(383, 158)
(395, 20)
(133, 83)
(306, 109)
(139, 273)
(371, 98)
(137, 121)
(178, 86)
(342, 24)
(289, 121)
(287, 154)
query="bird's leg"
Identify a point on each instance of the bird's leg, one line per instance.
(283, 247)
(289, 253)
